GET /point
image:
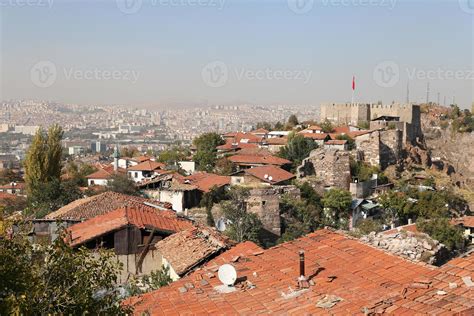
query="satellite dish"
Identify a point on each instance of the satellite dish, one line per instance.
(265, 176)
(270, 178)
(227, 274)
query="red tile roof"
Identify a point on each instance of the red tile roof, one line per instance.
(204, 181)
(315, 136)
(277, 174)
(277, 141)
(105, 173)
(259, 131)
(367, 280)
(186, 249)
(336, 142)
(147, 166)
(230, 145)
(257, 159)
(343, 129)
(314, 128)
(13, 185)
(466, 221)
(141, 217)
(409, 228)
(97, 205)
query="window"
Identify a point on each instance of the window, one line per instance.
(136, 174)
(263, 203)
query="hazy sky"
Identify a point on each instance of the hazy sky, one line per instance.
(159, 52)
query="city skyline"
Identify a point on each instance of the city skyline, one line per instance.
(169, 53)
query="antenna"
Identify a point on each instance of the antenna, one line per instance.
(227, 274)
(408, 92)
(427, 93)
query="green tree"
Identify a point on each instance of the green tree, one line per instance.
(397, 206)
(441, 230)
(173, 155)
(327, 126)
(337, 206)
(292, 121)
(56, 279)
(297, 149)
(243, 225)
(215, 195)
(151, 282)
(206, 152)
(43, 162)
(278, 126)
(78, 173)
(120, 183)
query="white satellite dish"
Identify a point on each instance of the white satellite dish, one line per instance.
(270, 178)
(227, 274)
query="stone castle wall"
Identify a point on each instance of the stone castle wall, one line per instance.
(346, 113)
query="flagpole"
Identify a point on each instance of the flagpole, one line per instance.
(353, 88)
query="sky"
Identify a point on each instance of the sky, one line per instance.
(195, 52)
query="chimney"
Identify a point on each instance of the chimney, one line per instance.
(302, 276)
(409, 221)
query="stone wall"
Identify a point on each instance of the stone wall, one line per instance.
(357, 113)
(331, 167)
(265, 202)
(380, 148)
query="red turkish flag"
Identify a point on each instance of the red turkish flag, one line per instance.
(353, 83)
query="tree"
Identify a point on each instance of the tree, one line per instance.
(292, 121)
(172, 156)
(397, 206)
(120, 183)
(337, 203)
(43, 163)
(78, 174)
(56, 279)
(215, 195)
(264, 125)
(129, 152)
(297, 149)
(243, 225)
(206, 152)
(8, 175)
(327, 126)
(441, 230)
(151, 282)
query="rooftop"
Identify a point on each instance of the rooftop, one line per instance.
(99, 204)
(345, 277)
(147, 165)
(105, 172)
(257, 159)
(186, 249)
(141, 217)
(270, 174)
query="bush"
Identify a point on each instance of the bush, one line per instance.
(441, 230)
(366, 226)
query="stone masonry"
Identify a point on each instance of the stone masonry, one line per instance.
(331, 167)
